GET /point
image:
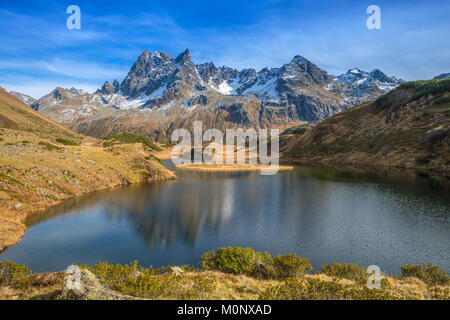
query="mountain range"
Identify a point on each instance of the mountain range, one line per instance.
(407, 128)
(162, 93)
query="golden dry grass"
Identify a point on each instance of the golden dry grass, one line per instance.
(36, 171)
(224, 286)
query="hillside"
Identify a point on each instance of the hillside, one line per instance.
(408, 127)
(162, 93)
(43, 163)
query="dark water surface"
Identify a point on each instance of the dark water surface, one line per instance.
(325, 214)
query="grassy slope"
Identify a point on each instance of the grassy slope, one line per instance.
(38, 169)
(409, 127)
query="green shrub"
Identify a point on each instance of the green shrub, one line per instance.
(237, 261)
(426, 113)
(49, 146)
(132, 138)
(290, 265)
(67, 142)
(349, 271)
(380, 102)
(429, 273)
(301, 130)
(107, 144)
(442, 99)
(446, 111)
(439, 293)
(426, 87)
(149, 157)
(15, 275)
(151, 283)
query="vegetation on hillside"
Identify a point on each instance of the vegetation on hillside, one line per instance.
(408, 127)
(130, 138)
(67, 142)
(237, 273)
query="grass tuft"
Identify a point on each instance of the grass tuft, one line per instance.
(67, 142)
(49, 146)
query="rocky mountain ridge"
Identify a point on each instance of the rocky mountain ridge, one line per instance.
(408, 127)
(161, 93)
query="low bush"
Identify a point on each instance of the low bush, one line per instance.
(349, 271)
(426, 87)
(254, 263)
(49, 146)
(15, 275)
(237, 261)
(149, 157)
(290, 265)
(442, 99)
(67, 142)
(132, 138)
(427, 272)
(152, 283)
(301, 130)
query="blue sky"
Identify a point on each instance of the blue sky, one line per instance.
(38, 52)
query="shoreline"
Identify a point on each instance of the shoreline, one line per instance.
(19, 233)
(202, 167)
(33, 179)
(327, 162)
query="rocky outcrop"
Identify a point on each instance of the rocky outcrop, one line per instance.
(88, 287)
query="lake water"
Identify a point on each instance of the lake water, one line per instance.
(325, 214)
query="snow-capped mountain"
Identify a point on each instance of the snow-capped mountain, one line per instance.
(161, 93)
(23, 97)
(357, 86)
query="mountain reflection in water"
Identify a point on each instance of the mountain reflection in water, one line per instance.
(389, 218)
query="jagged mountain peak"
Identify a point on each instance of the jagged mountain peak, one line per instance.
(304, 71)
(148, 73)
(299, 60)
(380, 76)
(168, 92)
(184, 57)
(109, 88)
